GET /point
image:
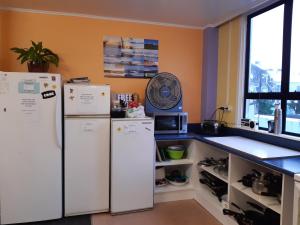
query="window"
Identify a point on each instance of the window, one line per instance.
(273, 65)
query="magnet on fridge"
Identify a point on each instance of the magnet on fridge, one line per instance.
(103, 93)
(71, 90)
(53, 86)
(53, 78)
(46, 85)
(72, 98)
(48, 94)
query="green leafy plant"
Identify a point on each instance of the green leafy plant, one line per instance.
(36, 54)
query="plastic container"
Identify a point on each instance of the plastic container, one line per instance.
(176, 152)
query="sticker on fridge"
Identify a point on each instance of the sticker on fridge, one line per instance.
(29, 87)
(4, 85)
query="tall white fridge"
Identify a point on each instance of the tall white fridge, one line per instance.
(132, 164)
(87, 148)
(31, 149)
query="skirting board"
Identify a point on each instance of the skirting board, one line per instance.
(216, 212)
(174, 196)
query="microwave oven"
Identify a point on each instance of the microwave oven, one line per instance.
(170, 122)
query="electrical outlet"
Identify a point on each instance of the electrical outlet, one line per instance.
(227, 108)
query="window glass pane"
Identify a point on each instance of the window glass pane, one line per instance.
(266, 51)
(295, 49)
(293, 116)
(260, 110)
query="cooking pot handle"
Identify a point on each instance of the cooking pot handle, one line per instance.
(255, 206)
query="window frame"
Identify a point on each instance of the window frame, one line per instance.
(284, 95)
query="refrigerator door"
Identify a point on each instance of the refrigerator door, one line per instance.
(132, 165)
(30, 153)
(84, 99)
(86, 165)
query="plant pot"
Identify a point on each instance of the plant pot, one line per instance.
(38, 67)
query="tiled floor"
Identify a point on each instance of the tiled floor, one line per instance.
(187, 212)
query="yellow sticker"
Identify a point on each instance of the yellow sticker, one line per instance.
(54, 86)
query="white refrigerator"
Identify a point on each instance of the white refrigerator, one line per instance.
(31, 149)
(87, 148)
(132, 164)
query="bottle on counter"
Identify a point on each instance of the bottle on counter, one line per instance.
(277, 119)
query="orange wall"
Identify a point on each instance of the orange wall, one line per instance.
(1, 38)
(78, 41)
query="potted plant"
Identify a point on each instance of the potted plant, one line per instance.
(37, 57)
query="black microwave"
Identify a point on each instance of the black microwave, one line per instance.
(170, 123)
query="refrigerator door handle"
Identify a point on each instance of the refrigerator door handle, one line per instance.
(58, 124)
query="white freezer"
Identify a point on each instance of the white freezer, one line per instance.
(86, 99)
(132, 164)
(87, 144)
(30, 153)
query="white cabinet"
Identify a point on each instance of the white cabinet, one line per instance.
(171, 192)
(132, 164)
(237, 193)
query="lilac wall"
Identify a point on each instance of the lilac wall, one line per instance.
(210, 72)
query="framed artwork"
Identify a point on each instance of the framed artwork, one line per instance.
(130, 57)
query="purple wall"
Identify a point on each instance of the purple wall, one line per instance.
(210, 72)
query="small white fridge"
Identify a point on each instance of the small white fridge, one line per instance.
(31, 147)
(132, 164)
(87, 148)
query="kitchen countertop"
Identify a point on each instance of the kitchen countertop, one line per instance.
(286, 165)
(255, 148)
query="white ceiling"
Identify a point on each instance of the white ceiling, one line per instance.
(190, 13)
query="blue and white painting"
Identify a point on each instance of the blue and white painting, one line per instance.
(130, 57)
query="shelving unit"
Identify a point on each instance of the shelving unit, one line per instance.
(211, 170)
(171, 188)
(269, 202)
(237, 192)
(174, 162)
(172, 192)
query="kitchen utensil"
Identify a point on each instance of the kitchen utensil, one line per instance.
(255, 216)
(177, 178)
(240, 218)
(259, 185)
(218, 187)
(176, 151)
(270, 217)
(179, 183)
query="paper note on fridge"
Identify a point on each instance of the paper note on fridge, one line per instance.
(4, 85)
(29, 108)
(87, 99)
(89, 126)
(130, 129)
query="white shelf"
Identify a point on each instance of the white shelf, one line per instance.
(208, 196)
(270, 202)
(210, 169)
(175, 162)
(171, 188)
